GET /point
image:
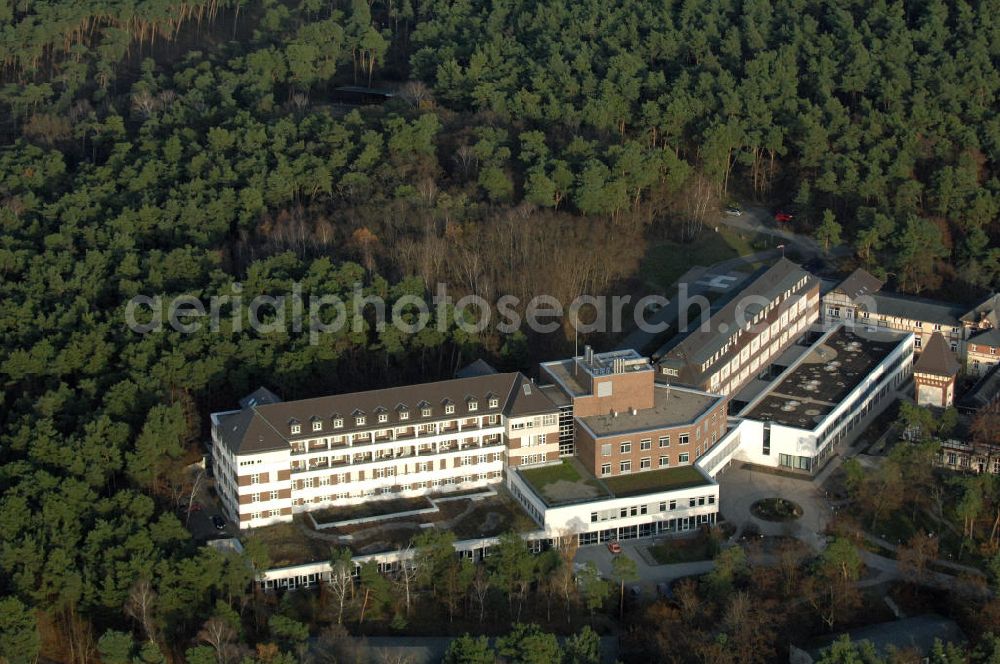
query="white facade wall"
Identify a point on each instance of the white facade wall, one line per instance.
(265, 510)
(810, 443)
(539, 438)
(579, 518)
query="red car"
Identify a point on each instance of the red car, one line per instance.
(614, 547)
(783, 216)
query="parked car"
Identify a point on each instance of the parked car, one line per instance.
(218, 522)
(783, 216)
(614, 547)
(734, 211)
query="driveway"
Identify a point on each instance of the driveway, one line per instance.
(740, 487)
(649, 574)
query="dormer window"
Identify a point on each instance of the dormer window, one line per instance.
(338, 422)
(296, 428)
(473, 405)
(403, 412)
(383, 417)
(494, 402)
(317, 425)
(425, 409)
(359, 419)
(449, 408)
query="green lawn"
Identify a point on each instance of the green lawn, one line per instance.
(653, 480)
(539, 477)
(665, 262)
(669, 552)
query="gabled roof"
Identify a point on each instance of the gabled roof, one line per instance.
(895, 305)
(479, 367)
(265, 426)
(988, 310)
(990, 337)
(936, 358)
(687, 355)
(859, 283)
(259, 396)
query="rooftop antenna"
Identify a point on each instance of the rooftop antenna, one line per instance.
(576, 350)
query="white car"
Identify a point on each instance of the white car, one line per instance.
(734, 211)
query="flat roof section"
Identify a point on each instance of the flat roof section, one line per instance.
(596, 365)
(569, 483)
(825, 376)
(672, 406)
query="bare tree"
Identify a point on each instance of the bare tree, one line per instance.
(341, 582)
(406, 575)
(480, 590)
(139, 607)
(416, 93)
(218, 633)
(199, 476)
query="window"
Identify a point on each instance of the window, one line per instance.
(684, 439)
(425, 412)
(625, 467)
(449, 409)
(296, 428)
(606, 449)
(274, 495)
(593, 517)
(473, 406)
(673, 505)
(255, 498)
(663, 506)
(255, 478)
(317, 426)
(645, 463)
(606, 469)
(683, 458)
(937, 327)
(274, 513)
(692, 502)
(701, 500)
(494, 402)
(664, 441)
(359, 420)
(257, 515)
(338, 422)
(383, 417)
(404, 414)
(711, 500)
(645, 444)
(917, 342)
(664, 461)
(625, 447)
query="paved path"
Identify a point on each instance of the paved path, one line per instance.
(740, 487)
(649, 572)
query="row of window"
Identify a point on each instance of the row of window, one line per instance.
(539, 421)
(645, 463)
(637, 510)
(404, 414)
(625, 447)
(416, 486)
(267, 514)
